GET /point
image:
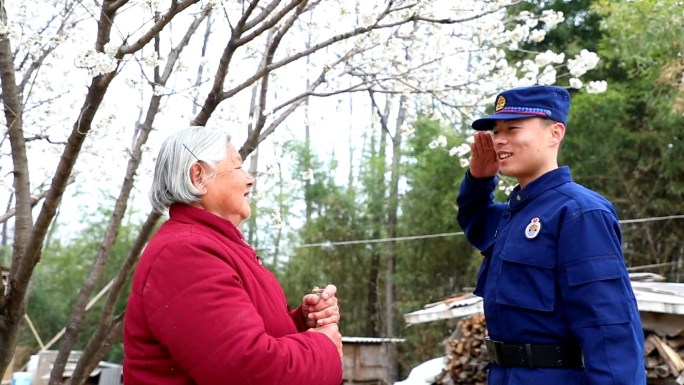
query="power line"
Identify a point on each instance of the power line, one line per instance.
(651, 219)
(328, 244)
(380, 240)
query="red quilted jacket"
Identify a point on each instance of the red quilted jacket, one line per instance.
(203, 310)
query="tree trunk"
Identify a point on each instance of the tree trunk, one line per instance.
(390, 266)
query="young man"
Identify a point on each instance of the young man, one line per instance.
(557, 297)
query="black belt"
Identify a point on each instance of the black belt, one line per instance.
(534, 355)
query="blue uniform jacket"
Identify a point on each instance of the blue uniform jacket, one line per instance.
(553, 273)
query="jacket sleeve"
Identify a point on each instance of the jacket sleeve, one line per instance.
(208, 323)
(478, 215)
(600, 305)
(298, 319)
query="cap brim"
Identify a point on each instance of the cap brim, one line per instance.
(487, 123)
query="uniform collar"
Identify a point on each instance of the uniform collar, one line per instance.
(520, 197)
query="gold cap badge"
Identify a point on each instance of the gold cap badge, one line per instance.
(500, 103)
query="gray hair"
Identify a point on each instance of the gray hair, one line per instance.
(172, 183)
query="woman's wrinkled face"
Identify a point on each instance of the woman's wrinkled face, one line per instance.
(227, 188)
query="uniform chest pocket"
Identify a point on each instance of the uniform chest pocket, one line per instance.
(527, 278)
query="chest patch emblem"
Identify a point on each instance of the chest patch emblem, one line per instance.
(532, 230)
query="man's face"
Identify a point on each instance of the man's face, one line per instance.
(527, 148)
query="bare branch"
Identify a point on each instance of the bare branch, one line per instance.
(47, 49)
(34, 200)
(249, 24)
(272, 22)
(321, 79)
(42, 137)
(175, 9)
(383, 116)
(268, 59)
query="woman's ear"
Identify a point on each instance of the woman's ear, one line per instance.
(197, 176)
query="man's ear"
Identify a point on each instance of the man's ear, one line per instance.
(197, 176)
(557, 133)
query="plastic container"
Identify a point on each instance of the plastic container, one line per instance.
(22, 378)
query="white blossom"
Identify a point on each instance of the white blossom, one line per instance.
(11, 31)
(531, 23)
(111, 49)
(525, 15)
(548, 76)
(537, 35)
(575, 83)
(548, 57)
(464, 162)
(408, 130)
(308, 175)
(160, 90)
(152, 60)
(597, 87)
(97, 63)
(520, 33)
(552, 18)
(276, 219)
(153, 5)
(440, 142)
(459, 150)
(585, 61)
(270, 173)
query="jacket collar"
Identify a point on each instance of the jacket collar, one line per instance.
(521, 197)
(193, 215)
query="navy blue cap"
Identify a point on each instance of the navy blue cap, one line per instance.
(547, 102)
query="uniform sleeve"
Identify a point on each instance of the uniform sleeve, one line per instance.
(212, 330)
(478, 215)
(597, 295)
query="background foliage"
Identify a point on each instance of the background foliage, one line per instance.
(625, 143)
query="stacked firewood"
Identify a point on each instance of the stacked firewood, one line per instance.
(664, 357)
(467, 354)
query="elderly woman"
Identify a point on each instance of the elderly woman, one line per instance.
(203, 309)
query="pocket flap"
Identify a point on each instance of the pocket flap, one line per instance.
(537, 255)
(594, 269)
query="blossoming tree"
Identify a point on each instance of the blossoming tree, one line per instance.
(86, 85)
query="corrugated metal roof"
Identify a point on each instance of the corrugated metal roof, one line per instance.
(456, 307)
(371, 340)
(660, 297)
(656, 297)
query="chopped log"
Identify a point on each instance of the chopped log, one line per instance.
(467, 359)
(652, 361)
(676, 343)
(649, 347)
(669, 356)
(662, 370)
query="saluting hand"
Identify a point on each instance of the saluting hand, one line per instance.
(483, 160)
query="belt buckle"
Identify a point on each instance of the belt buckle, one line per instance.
(529, 355)
(494, 350)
